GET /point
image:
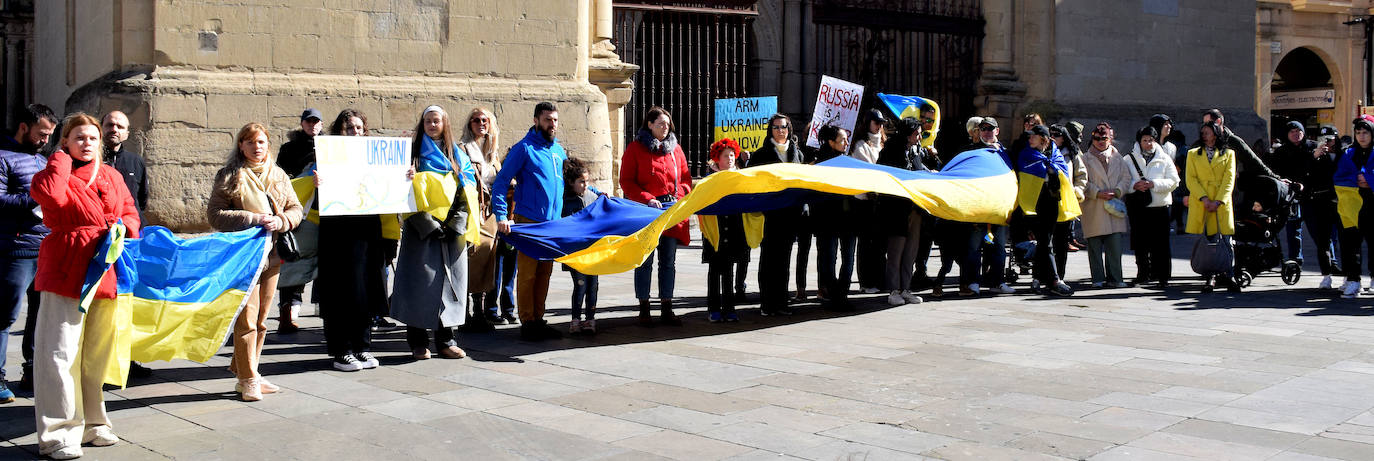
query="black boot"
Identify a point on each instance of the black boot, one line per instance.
(646, 319)
(666, 314)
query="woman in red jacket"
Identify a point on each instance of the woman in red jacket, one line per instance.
(654, 172)
(81, 198)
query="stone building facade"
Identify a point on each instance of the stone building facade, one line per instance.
(1310, 43)
(190, 73)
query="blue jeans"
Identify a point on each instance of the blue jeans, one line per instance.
(995, 256)
(1293, 236)
(667, 270)
(16, 275)
(503, 296)
(584, 290)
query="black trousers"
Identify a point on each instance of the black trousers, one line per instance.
(1043, 227)
(1321, 219)
(1150, 242)
(720, 285)
(775, 257)
(351, 256)
(419, 337)
(1063, 232)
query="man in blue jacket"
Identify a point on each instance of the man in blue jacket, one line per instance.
(536, 165)
(21, 230)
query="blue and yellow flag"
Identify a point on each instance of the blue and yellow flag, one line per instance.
(976, 186)
(910, 107)
(1035, 168)
(1348, 200)
(436, 184)
(177, 298)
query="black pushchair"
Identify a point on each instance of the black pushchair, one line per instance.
(1261, 214)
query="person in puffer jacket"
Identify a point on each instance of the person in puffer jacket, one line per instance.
(21, 230)
(81, 200)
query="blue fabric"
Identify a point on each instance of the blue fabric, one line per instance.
(20, 230)
(433, 160)
(606, 216)
(537, 166)
(161, 266)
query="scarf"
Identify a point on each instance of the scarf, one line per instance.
(253, 186)
(781, 150)
(664, 147)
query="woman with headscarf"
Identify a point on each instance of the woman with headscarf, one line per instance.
(431, 291)
(81, 199)
(1211, 178)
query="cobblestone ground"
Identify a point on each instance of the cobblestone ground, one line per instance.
(1276, 373)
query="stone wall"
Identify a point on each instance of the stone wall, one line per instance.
(211, 68)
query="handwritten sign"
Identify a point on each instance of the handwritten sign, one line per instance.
(837, 103)
(362, 175)
(744, 120)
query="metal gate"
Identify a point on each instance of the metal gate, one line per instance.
(927, 48)
(688, 57)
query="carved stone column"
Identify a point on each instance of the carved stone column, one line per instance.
(612, 77)
(1000, 91)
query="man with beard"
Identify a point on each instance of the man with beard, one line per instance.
(21, 232)
(536, 165)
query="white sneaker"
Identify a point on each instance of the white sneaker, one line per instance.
(1326, 283)
(367, 360)
(1371, 285)
(1004, 289)
(65, 453)
(1350, 289)
(347, 362)
(870, 290)
(895, 298)
(574, 326)
(911, 298)
(100, 436)
(974, 288)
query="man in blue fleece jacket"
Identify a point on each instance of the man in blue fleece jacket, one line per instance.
(536, 165)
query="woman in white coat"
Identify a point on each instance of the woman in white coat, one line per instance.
(1150, 170)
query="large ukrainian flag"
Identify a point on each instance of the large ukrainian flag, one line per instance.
(177, 298)
(976, 186)
(1348, 200)
(910, 107)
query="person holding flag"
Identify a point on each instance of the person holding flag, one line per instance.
(1354, 202)
(1046, 197)
(431, 287)
(82, 200)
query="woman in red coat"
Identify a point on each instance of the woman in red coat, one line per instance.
(654, 172)
(81, 198)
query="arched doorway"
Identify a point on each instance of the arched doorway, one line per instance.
(1302, 90)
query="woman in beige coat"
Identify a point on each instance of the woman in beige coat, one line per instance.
(252, 191)
(1103, 230)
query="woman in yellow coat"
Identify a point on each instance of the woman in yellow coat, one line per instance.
(1211, 178)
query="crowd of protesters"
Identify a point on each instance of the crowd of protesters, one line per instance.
(446, 276)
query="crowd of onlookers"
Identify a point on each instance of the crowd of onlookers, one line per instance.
(1080, 189)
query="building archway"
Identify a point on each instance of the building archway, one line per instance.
(1303, 89)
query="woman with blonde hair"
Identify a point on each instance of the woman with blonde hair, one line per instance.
(81, 199)
(250, 190)
(481, 137)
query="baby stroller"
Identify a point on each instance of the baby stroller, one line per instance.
(1264, 208)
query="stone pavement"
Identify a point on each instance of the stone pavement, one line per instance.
(1124, 374)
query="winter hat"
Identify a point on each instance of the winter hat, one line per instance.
(1296, 125)
(1075, 131)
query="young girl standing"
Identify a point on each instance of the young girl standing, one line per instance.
(577, 194)
(728, 248)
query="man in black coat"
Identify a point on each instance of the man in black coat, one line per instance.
(1293, 162)
(299, 149)
(115, 127)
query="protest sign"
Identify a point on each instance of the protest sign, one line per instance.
(837, 103)
(362, 175)
(744, 120)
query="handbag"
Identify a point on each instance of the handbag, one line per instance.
(1137, 198)
(286, 246)
(1212, 254)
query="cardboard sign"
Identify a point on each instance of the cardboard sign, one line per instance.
(744, 120)
(362, 175)
(837, 103)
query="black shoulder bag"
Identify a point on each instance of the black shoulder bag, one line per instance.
(1137, 198)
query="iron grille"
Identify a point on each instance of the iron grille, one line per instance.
(688, 58)
(925, 48)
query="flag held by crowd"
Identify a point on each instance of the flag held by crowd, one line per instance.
(976, 186)
(910, 107)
